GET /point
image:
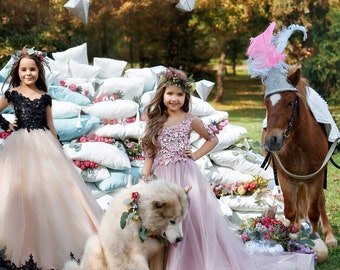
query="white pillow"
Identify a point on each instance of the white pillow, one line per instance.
(6, 70)
(147, 73)
(228, 136)
(244, 203)
(78, 70)
(95, 175)
(224, 175)
(78, 53)
(244, 161)
(200, 107)
(117, 109)
(120, 131)
(64, 109)
(129, 87)
(216, 117)
(104, 154)
(108, 67)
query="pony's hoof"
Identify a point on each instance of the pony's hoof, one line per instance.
(331, 242)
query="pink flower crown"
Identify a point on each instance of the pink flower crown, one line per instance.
(171, 76)
(31, 52)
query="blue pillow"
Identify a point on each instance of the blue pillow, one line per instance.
(117, 179)
(68, 131)
(62, 93)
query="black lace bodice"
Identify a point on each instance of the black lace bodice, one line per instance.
(30, 114)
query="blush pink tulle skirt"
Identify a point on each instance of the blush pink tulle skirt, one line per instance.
(45, 207)
(209, 242)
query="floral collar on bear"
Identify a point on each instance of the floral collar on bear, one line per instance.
(132, 214)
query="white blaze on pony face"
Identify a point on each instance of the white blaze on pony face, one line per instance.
(274, 99)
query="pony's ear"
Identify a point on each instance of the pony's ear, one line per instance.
(158, 204)
(295, 77)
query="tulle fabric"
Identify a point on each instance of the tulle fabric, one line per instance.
(45, 208)
(209, 240)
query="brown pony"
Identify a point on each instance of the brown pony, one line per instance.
(301, 144)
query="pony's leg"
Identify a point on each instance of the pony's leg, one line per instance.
(327, 230)
(289, 191)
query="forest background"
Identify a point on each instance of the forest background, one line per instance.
(146, 33)
(209, 43)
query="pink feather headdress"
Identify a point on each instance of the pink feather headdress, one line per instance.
(266, 58)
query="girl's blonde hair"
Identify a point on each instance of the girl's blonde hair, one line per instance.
(156, 114)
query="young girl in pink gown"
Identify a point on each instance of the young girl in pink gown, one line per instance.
(45, 207)
(209, 242)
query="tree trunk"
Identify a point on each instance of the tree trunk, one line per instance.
(220, 77)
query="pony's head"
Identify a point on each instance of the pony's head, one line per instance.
(283, 110)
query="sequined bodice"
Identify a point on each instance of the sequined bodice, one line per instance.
(30, 114)
(172, 141)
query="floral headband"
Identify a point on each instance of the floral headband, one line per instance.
(31, 52)
(173, 77)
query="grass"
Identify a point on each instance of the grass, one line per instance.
(243, 100)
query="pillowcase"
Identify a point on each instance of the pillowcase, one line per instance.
(104, 154)
(62, 93)
(130, 88)
(67, 128)
(95, 175)
(147, 73)
(228, 136)
(78, 70)
(224, 175)
(200, 107)
(6, 70)
(117, 109)
(216, 117)
(120, 131)
(244, 161)
(108, 67)
(77, 53)
(117, 179)
(64, 109)
(95, 192)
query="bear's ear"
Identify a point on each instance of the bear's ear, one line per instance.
(187, 189)
(158, 204)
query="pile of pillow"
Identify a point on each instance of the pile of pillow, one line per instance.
(106, 99)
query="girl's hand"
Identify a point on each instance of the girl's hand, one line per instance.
(11, 126)
(189, 153)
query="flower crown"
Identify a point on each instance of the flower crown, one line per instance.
(173, 77)
(41, 56)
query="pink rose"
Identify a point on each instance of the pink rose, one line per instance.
(62, 83)
(73, 87)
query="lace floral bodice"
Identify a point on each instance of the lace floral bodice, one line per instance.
(173, 140)
(30, 114)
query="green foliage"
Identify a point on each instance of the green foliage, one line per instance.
(322, 69)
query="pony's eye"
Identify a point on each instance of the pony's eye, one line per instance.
(290, 103)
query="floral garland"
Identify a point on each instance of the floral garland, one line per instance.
(268, 230)
(128, 120)
(240, 188)
(85, 164)
(4, 134)
(75, 88)
(216, 127)
(114, 96)
(41, 56)
(132, 215)
(134, 150)
(171, 76)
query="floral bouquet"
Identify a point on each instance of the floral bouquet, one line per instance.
(240, 188)
(133, 150)
(270, 234)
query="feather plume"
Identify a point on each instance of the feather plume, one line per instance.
(281, 39)
(263, 55)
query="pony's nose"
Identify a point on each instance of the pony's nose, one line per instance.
(179, 239)
(274, 143)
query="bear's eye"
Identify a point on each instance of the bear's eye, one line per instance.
(172, 221)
